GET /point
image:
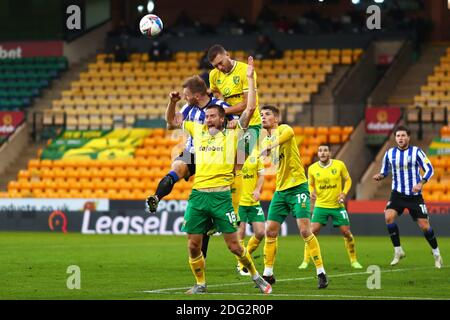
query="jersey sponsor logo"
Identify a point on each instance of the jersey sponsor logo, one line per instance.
(226, 92)
(248, 176)
(327, 186)
(210, 149)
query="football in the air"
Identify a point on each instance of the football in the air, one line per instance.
(151, 25)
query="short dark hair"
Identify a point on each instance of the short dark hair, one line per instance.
(325, 145)
(219, 108)
(196, 85)
(274, 109)
(402, 128)
(214, 51)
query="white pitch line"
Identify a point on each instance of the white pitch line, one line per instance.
(310, 295)
(157, 291)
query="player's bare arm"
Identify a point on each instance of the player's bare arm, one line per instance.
(251, 102)
(174, 119)
(418, 187)
(232, 124)
(257, 192)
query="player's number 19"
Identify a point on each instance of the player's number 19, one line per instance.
(302, 198)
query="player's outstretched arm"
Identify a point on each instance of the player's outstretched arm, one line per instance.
(251, 99)
(174, 119)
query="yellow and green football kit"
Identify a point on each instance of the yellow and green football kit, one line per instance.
(326, 181)
(291, 195)
(232, 86)
(215, 160)
(249, 209)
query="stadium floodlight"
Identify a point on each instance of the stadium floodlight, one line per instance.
(150, 6)
(355, 1)
(140, 8)
(378, 1)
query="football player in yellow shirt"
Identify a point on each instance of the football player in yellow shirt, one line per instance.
(228, 80)
(250, 210)
(291, 193)
(325, 185)
(215, 150)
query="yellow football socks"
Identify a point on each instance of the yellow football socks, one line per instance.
(242, 243)
(270, 249)
(306, 255)
(314, 251)
(246, 261)
(198, 269)
(253, 244)
(350, 246)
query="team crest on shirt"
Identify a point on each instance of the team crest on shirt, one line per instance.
(211, 140)
(334, 171)
(236, 79)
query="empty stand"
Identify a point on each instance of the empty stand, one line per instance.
(111, 92)
(80, 170)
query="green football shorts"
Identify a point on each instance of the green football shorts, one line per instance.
(247, 142)
(339, 216)
(294, 200)
(249, 214)
(204, 206)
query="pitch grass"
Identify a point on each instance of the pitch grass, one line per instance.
(34, 265)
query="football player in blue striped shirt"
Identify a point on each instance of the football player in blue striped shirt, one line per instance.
(404, 162)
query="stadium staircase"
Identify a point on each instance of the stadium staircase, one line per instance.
(323, 100)
(409, 86)
(41, 103)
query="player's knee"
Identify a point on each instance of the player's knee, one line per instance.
(271, 233)
(389, 218)
(305, 233)
(259, 235)
(236, 249)
(180, 168)
(346, 233)
(194, 248)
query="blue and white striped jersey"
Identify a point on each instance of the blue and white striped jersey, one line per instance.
(404, 165)
(197, 114)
